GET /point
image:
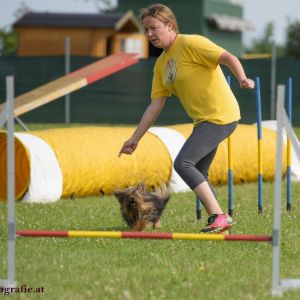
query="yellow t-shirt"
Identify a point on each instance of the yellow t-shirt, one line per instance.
(190, 71)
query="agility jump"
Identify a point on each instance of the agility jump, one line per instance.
(145, 235)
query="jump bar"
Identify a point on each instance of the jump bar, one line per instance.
(145, 235)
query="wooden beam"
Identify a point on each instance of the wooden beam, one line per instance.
(71, 82)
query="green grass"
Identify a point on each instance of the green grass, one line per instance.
(151, 269)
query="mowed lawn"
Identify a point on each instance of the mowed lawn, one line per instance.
(86, 268)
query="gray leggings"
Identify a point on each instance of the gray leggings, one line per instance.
(195, 157)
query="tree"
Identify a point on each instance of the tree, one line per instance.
(104, 5)
(264, 44)
(22, 10)
(8, 42)
(293, 39)
(8, 38)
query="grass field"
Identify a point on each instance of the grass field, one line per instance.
(151, 269)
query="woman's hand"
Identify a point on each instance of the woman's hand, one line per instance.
(247, 83)
(150, 115)
(128, 147)
(237, 69)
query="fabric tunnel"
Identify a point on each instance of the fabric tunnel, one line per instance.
(78, 162)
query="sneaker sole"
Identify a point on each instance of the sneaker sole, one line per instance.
(220, 230)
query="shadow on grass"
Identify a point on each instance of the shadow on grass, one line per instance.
(117, 228)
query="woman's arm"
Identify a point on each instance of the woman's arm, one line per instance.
(149, 117)
(233, 63)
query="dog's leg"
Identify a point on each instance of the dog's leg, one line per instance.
(157, 224)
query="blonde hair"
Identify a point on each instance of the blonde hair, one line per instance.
(160, 12)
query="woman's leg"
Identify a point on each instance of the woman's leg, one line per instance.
(203, 166)
(202, 144)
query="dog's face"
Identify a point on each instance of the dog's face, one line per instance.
(129, 195)
(131, 203)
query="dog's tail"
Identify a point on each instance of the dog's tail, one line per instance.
(162, 193)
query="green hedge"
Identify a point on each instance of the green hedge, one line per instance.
(122, 97)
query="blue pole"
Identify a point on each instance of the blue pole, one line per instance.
(259, 140)
(230, 169)
(198, 208)
(288, 174)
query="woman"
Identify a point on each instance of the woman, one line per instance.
(189, 68)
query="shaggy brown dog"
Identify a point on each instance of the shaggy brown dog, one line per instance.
(140, 208)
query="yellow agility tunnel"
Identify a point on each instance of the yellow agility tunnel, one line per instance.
(78, 162)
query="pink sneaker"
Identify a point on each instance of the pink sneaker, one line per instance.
(218, 223)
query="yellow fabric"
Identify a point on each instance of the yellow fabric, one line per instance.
(244, 146)
(22, 168)
(88, 157)
(190, 71)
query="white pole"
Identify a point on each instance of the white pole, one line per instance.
(276, 290)
(11, 180)
(11, 266)
(281, 285)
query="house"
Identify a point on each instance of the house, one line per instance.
(219, 20)
(44, 34)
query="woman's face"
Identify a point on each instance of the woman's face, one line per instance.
(159, 34)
